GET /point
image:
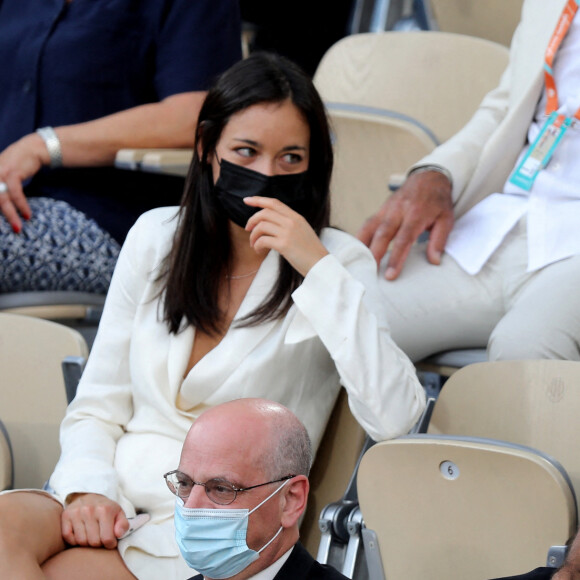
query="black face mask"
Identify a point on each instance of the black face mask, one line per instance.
(236, 182)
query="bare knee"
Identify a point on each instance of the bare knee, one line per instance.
(87, 563)
(29, 527)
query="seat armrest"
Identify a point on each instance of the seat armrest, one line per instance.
(372, 554)
(556, 556)
(167, 161)
(72, 369)
(6, 460)
(423, 422)
(130, 158)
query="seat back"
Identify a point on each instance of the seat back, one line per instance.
(494, 20)
(450, 508)
(530, 402)
(33, 398)
(54, 305)
(437, 78)
(360, 178)
(333, 466)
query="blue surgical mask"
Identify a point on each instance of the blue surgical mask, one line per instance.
(213, 541)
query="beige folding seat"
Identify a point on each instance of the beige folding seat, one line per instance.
(436, 78)
(392, 97)
(529, 402)
(491, 19)
(168, 161)
(54, 305)
(373, 148)
(458, 508)
(334, 464)
(32, 394)
(79, 310)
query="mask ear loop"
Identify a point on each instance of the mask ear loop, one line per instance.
(270, 496)
(273, 538)
(261, 504)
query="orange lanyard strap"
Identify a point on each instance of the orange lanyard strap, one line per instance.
(561, 30)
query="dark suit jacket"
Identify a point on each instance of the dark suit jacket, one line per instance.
(537, 574)
(301, 566)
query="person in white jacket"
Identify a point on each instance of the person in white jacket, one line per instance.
(505, 272)
(242, 292)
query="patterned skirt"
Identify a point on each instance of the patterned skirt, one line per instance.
(59, 248)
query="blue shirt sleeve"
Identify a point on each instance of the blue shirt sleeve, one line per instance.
(198, 40)
(71, 63)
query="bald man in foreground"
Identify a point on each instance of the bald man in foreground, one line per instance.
(242, 485)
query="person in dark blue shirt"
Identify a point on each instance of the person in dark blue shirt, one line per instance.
(81, 80)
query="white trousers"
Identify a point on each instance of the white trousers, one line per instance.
(517, 314)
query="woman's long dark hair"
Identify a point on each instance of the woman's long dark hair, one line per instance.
(201, 250)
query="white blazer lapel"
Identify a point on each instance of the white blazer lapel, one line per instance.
(218, 365)
(180, 346)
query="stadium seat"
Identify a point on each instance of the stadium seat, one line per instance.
(79, 310)
(436, 78)
(535, 403)
(360, 179)
(167, 161)
(33, 399)
(442, 507)
(493, 20)
(334, 464)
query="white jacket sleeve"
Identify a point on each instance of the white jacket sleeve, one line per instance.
(461, 153)
(96, 418)
(342, 303)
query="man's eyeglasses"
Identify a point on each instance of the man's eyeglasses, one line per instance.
(219, 491)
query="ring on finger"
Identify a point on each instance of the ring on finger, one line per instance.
(3, 187)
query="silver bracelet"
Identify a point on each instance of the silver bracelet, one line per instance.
(437, 168)
(52, 143)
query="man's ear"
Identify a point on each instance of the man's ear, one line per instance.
(294, 503)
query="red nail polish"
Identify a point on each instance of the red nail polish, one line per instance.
(16, 229)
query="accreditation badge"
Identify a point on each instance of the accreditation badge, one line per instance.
(540, 151)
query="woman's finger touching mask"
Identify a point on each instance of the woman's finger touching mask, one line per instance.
(276, 226)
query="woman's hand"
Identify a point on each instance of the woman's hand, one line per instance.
(277, 227)
(94, 520)
(19, 162)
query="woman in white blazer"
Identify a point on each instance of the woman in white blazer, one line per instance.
(225, 297)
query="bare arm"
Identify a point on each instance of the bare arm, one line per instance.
(422, 203)
(169, 123)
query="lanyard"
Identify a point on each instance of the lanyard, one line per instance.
(562, 29)
(540, 151)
